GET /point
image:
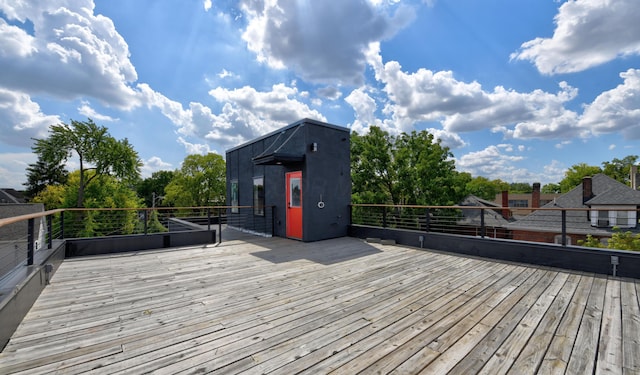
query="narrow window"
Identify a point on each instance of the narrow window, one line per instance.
(258, 196)
(234, 196)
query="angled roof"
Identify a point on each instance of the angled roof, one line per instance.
(606, 191)
(492, 217)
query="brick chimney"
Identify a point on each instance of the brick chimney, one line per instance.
(505, 203)
(587, 189)
(535, 195)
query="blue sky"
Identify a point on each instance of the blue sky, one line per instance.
(519, 90)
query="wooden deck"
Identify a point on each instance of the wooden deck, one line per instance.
(343, 306)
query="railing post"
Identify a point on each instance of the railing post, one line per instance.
(350, 214)
(50, 231)
(62, 225)
(427, 219)
(208, 218)
(564, 227)
(384, 216)
(30, 242)
(219, 225)
(482, 227)
(146, 221)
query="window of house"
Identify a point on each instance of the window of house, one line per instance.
(518, 203)
(258, 196)
(603, 218)
(234, 196)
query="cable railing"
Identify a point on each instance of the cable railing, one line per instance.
(564, 226)
(21, 237)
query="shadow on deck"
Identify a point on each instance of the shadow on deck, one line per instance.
(272, 305)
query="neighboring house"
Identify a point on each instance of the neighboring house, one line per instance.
(523, 203)
(13, 237)
(471, 221)
(595, 207)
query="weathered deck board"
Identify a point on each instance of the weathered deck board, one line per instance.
(271, 305)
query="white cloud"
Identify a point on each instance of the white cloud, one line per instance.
(22, 119)
(86, 110)
(207, 5)
(612, 147)
(426, 96)
(320, 43)
(225, 74)
(251, 113)
(588, 33)
(194, 148)
(154, 164)
(494, 163)
(616, 110)
(13, 168)
(72, 53)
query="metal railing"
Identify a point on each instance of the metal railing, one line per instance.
(21, 237)
(563, 226)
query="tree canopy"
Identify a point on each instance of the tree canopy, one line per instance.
(97, 151)
(406, 169)
(201, 181)
(153, 187)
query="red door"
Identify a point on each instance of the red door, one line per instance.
(294, 204)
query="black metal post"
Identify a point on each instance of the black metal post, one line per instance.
(482, 227)
(208, 218)
(350, 214)
(62, 225)
(564, 227)
(384, 216)
(30, 242)
(49, 231)
(219, 225)
(146, 221)
(427, 220)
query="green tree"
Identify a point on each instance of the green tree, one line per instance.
(97, 151)
(485, 188)
(407, 169)
(550, 188)
(201, 181)
(153, 187)
(618, 169)
(573, 176)
(520, 188)
(108, 192)
(373, 174)
(42, 174)
(426, 170)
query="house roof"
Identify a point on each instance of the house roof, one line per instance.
(11, 196)
(298, 123)
(606, 191)
(492, 216)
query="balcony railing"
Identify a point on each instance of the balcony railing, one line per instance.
(563, 226)
(21, 237)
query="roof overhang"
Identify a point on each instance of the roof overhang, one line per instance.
(278, 158)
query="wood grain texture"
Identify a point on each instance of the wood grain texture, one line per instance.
(343, 306)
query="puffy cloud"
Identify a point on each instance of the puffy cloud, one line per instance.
(320, 43)
(86, 110)
(72, 53)
(616, 110)
(195, 148)
(426, 96)
(588, 33)
(251, 113)
(22, 119)
(494, 162)
(153, 164)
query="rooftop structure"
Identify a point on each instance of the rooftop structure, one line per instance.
(274, 305)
